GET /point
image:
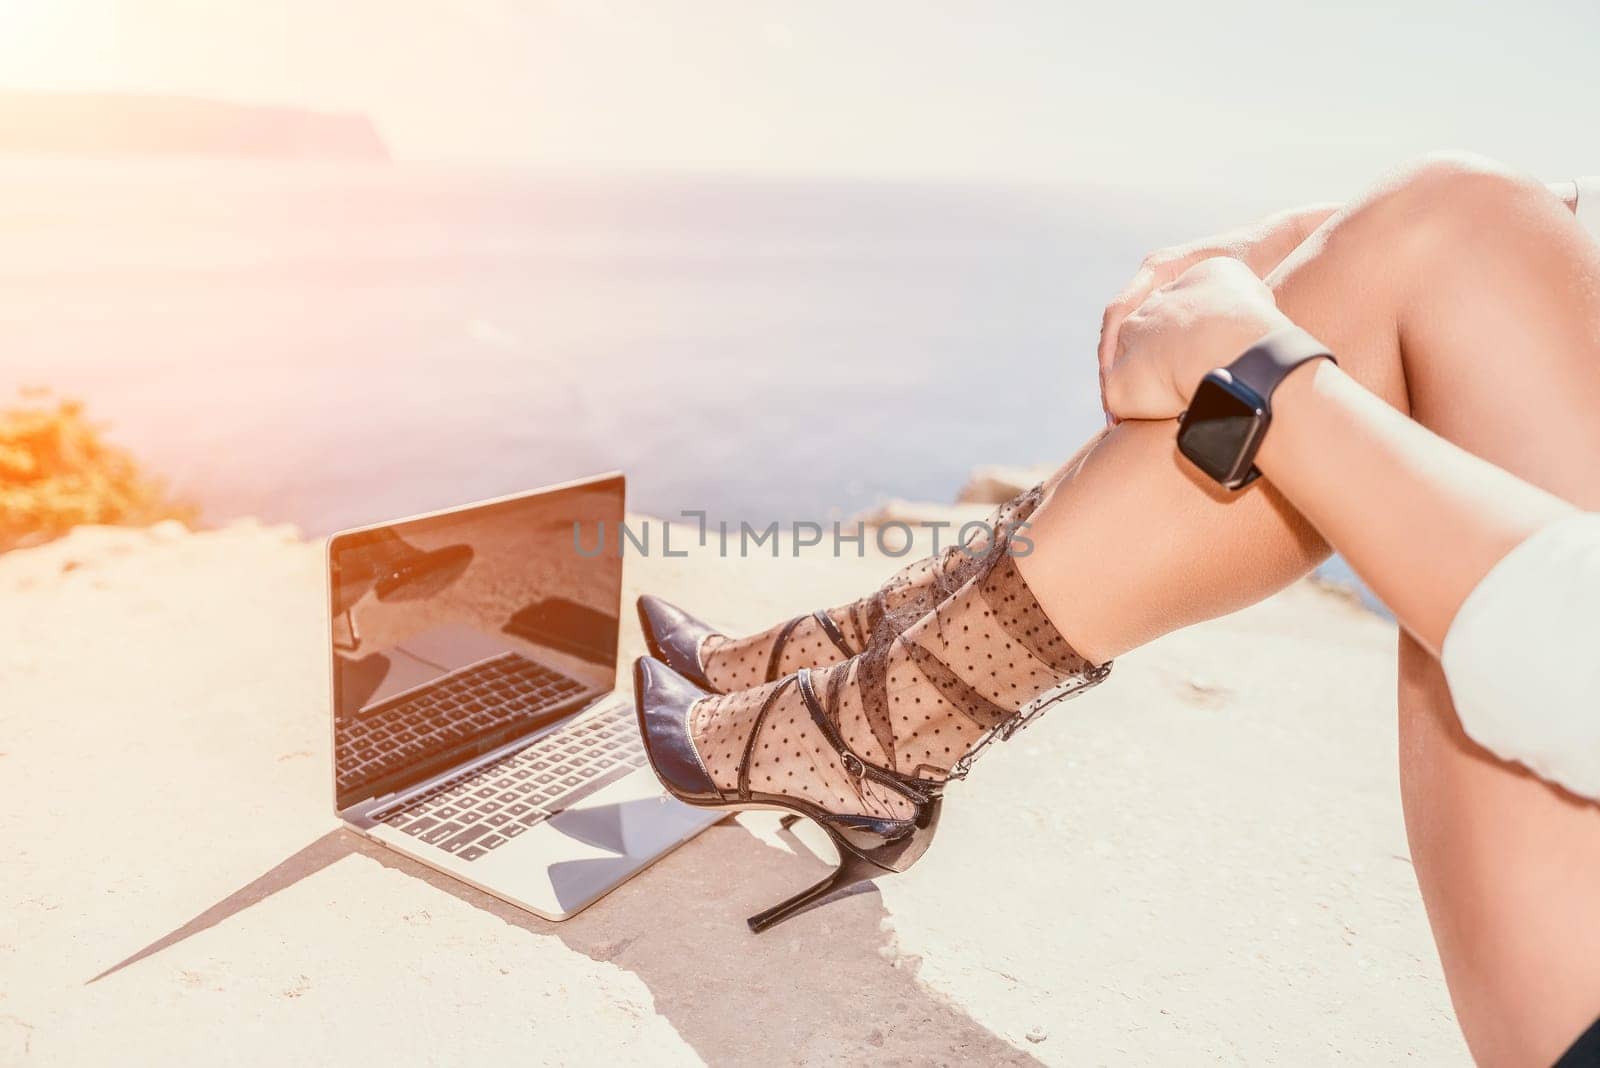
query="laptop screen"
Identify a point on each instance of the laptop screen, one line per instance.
(458, 632)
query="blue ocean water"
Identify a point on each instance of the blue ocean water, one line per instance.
(333, 345)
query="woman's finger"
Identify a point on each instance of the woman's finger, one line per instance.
(1133, 294)
(1131, 297)
(1136, 385)
(1125, 389)
(1133, 391)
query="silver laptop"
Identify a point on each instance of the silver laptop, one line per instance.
(476, 727)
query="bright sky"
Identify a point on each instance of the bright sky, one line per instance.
(1159, 93)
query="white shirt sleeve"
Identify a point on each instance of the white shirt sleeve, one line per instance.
(1589, 205)
(1523, 656)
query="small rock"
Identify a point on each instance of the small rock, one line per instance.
(1037, 1035)
(1203, 692)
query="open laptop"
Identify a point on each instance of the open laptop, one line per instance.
(476, 727)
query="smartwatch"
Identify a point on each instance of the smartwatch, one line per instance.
(1232, 407)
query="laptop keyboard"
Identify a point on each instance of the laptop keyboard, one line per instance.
(460, 706)
(482, 810)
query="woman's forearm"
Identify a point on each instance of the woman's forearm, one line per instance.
(1419, 519)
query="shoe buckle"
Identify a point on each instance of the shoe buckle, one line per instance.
(853, 765)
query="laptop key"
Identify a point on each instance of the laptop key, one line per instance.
(419, 826)
(461, 840)
(494, 841)
(435, 835)
(470, 853)
(496, 820)
(511, 830)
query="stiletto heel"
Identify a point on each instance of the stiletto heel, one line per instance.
(852, 871)
(868, 846)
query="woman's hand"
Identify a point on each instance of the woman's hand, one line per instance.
(1260, 246)
(1206, 318)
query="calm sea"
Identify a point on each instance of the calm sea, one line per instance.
(329, 346)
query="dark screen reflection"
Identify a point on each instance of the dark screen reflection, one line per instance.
(455, 634)
(1216, 426)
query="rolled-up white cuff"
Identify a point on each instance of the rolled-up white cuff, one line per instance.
(1523, 656)
(1589, 205)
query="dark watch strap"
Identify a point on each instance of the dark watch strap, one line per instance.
(1269, 361)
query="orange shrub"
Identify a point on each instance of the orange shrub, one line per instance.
(56, 472)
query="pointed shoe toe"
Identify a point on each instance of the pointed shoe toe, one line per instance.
(674, 638)
(663, 699)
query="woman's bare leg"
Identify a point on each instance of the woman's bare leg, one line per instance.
(1469, 298)
(1507, 864)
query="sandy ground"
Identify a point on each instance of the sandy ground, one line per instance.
(1202, 861)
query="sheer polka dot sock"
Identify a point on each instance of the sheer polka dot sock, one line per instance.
(790, 756)
(977, 667)
(733, 664)
(740, 663)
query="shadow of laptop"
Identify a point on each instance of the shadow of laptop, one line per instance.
(680, 929)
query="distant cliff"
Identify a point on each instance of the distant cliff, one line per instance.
(116, 124)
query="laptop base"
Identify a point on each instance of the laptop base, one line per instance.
(563, 865)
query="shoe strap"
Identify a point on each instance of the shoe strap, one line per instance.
(829, 628)
(755, 733)
(919, 790)
(1003, 731)
(774, 657)
(835, 635)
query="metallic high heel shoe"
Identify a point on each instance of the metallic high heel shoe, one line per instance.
(868, 847)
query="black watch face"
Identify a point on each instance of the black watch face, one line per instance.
(1221, 428)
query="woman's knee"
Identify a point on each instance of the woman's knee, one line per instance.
(1430, 206)
(1429, 239)
(1451, 185)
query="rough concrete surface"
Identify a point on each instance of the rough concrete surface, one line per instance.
(1202, 861)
